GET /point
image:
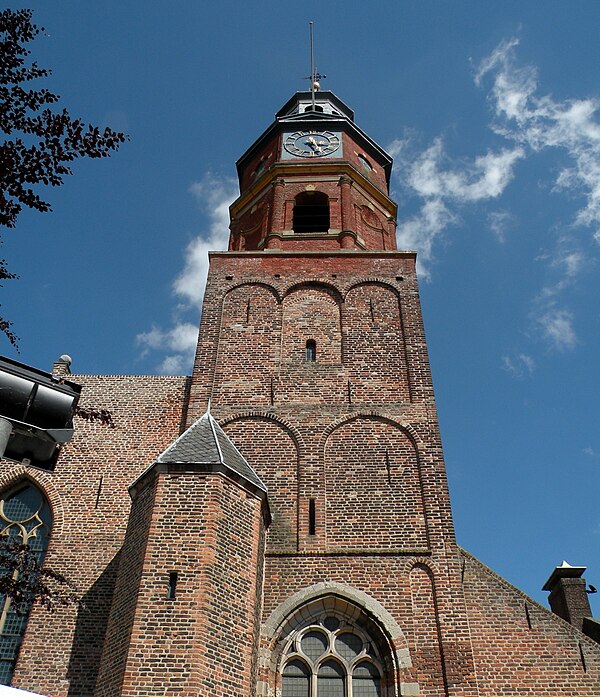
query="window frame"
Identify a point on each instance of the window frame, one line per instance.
(369, 654)
(44, 516)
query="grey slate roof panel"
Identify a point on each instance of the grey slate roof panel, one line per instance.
(205, 443)
(234, 459)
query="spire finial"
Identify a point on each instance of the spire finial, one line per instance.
(314, 75)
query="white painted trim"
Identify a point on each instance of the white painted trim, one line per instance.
(13, 692)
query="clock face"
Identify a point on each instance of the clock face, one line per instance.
(311, 143)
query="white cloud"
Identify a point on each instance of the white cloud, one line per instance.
(180, 341)
(177, 364)
(397, 147)
(486, 177)
(565, 263)
(518, 365)
(540, 122)
(420, 232)
(571, 263)
(445, 187)
(214, 194)
(557, 328)
(499, 222)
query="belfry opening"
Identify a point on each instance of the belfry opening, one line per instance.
(311, 212)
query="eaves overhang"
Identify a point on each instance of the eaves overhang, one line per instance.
(317, 120)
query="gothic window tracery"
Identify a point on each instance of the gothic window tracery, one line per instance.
(25, 518)
(332, 657)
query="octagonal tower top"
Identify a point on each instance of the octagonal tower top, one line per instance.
(314, 180)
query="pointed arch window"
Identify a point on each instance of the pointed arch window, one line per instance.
(330, 679)
(332, 657)
(296, 679)
(311, 212)
(25, 518)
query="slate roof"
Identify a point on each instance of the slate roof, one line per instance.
(205, 443)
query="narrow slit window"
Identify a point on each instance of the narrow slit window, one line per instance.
(312, 517)
(172, 590)
(311, 351)
(311, 212)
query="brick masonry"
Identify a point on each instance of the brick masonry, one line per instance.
(348, 446)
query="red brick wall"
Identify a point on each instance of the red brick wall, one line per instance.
(422, 595)
(351, 152)
(373, 497)
(311, 313)
(119, 634)
(274, 454)
(250, 327)
(426, 633)
(521, 648)
(90, 502)
(208, 530)
(324, 432)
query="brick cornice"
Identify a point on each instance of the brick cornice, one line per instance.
(304, 170)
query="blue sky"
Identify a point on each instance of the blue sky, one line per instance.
(491, 111)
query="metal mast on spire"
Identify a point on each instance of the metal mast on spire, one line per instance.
(314, 75)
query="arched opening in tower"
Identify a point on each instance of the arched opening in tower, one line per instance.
(311, 212)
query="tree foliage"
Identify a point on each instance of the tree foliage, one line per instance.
(41, 140)
(25, 581)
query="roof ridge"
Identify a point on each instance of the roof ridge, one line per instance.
(212, 422)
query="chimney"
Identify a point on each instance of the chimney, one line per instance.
(568, 595)
(62, 367)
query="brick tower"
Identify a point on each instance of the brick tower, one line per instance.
(278, 524)
(312, 353)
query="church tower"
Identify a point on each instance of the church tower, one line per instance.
(278, 524)
(312, 353)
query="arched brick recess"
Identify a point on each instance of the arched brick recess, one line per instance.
(21, 474)
(311, 312)
(426, 562)
(253, 282)
(374, 350)
(410, 430)
(248, 352)
(383, 461)
(372, 281)
(267, 416)
(317, 284)
(271, 450)
(426, 635)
